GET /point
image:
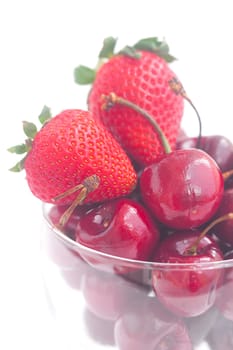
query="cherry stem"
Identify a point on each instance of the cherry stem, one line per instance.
(88, 185)
(193, 249)
(227, 174)
(178, 88)
(112, 99)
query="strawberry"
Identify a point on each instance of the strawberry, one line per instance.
(140, 74)
(73, 159)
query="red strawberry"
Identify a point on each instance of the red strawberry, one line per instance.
(142, 77)
(74, 154)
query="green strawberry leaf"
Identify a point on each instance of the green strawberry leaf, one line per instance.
(18, 149)
(84, 75)
(18, 166)
(29, 129)
(153, 44)
(130, 52)
(147, 44)
(108, 47)
(45, 115)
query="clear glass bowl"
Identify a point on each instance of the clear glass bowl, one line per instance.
(104, 302)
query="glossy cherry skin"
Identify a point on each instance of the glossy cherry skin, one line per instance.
(121, 228)
(183, 189)
(187, 291)
(224, 230)
(147, 325)
(217, 146)
(69, 228)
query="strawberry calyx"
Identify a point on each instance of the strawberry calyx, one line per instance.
(84, 75)
(30, 130)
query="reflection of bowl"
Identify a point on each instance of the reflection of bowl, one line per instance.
(93, 293)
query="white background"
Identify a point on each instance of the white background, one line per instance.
(41, 42)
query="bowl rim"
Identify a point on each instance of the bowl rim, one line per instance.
(76, 246)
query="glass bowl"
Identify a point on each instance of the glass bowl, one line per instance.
(105, 302)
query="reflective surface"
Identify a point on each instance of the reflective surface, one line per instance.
(104, 302)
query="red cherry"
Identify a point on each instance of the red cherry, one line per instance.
(183, 189)
(187, 291)
(121, 228)
(224, 230)
(217, 146)
(56, 212)
(147, 325)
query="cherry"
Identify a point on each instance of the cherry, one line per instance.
(147, 325)
(187, 290)
(56, 213)
(175, 188)
(224, 230)
(183, 189)
(121, 228)
(218, 147)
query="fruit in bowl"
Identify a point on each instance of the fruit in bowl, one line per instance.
(140, 207)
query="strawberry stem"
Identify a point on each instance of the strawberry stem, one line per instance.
(87, 186)
(112, 99)
(178, 88)
(68, 212)
(193, 249)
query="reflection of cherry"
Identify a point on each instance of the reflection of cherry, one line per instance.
(177, 191)
(122, 228)
(147, 325)
(225, 299)
(106, 295)
(187, 292)
(58, 252)
(73, 275)
(100, 330)
(200, 326)
(221, 335)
